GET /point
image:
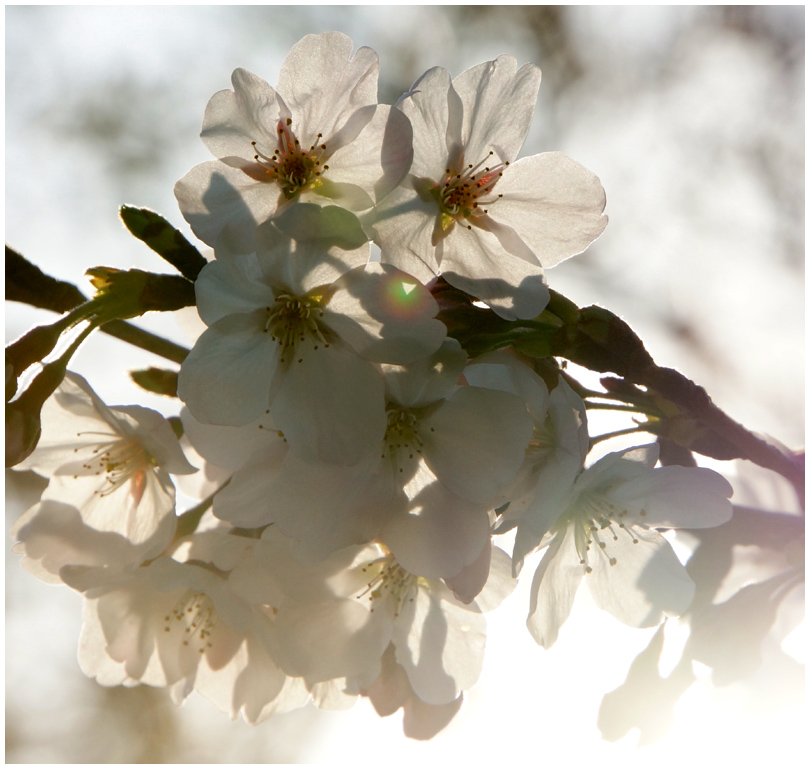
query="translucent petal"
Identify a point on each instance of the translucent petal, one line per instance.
(499, 102)
(646, 582)
(385, 315)
(227, 375)
(554, 587)
(553, 203)
(329, 405)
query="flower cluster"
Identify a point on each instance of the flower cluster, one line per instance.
(367, 460)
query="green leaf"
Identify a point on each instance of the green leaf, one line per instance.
(156, 380)
(164, 240)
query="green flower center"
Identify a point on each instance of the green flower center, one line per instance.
(292, 320)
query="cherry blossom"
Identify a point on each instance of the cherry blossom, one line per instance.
(605, 533)
(111, 463)
(350, 607)
(319, 136)
(467, 210)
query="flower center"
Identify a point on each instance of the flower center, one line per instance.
(542, 444)
(290, 165)
(600, 522)
(463, 194)
(292, 320)
(402, 439)
(195, 617)
(388, 582)
(120, 460)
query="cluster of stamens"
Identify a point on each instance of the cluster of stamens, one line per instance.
(196, 615)
(388, 580)
(461, 194)
(402, 435)
(598, 522)
(292, 320)
(291, 166)
(119, 460)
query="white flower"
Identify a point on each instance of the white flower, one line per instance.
(294, 331)
(487, 224)
(606, 534)
(111, 463)
(319, 136)
(556, 452)
(175, 622)
(349, 608)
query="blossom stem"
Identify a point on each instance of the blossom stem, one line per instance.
(627, 431)
(617, 407)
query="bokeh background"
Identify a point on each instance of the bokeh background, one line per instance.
(693, 118)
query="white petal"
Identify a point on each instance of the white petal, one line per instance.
(434, 110)
(553, 203)
(476, 441)
(214, 197)
(440, 643)
(227, 375)
(235, 118)
(93, 658)
(329, 405)
(403, 228)
(229, 447)
(428, 380)
(385, 315)
(140, 509)
(307, 263)
(151, 431)
(245, 501)
(501, 371)
(475, 261)
(499, 105)
(554, 586)
(321, 641)
(230, 286)
(468, 583)
(379, 158)
(324, 85)
(328, 507)
(52, 535)
(678, 497)
(439, 535)
(499, 585)
(391, 689)
(421, 721)
(646, 582)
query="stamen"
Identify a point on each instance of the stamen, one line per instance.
(389, 582)
(292, 320)
(595, 514)
(196, 618)
(293, 168)
(460, 195)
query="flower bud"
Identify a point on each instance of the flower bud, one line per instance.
(23, 426)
